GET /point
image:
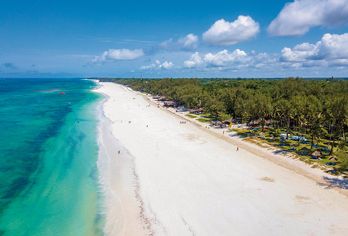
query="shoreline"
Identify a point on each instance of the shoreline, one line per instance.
(173, 163)
(118, 181)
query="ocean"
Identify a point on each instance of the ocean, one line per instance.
(48, 158)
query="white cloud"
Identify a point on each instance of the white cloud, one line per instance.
(194, 61)
(334, 46)
(300, 52)
(166, 65)
(188, 42)
(224, 56)
(331, 50)
(158, 65)
(227, 33)
(119, 54)
(298, 17)
(220, 59)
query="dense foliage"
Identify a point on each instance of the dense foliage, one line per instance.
(317, 108)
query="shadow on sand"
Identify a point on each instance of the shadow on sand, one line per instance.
(336, 182)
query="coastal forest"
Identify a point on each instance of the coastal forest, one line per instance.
(303, 116)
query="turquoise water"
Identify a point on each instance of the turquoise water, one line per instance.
(48, 154)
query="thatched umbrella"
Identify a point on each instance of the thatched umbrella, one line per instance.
(316, 154)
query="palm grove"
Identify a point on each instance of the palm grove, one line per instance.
(317, 109)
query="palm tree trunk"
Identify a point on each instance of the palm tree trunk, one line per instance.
(332, 147)
(287, 129)
(332, 140)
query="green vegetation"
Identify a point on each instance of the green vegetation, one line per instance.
(315, 112)
(191, 115)
(204, 120)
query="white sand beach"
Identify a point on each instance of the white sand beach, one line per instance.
(162, 177)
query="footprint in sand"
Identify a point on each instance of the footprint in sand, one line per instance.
(267, 179)
(303, 199)
(193, 137)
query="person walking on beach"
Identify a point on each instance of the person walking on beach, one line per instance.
(237, 149)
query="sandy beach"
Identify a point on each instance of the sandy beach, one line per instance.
(160, 176)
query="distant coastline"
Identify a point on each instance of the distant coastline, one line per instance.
(108, 79)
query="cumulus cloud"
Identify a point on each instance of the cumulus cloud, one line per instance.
(223, 32)
(158, 65)
(300, 52)
(334, 46)
(194, 61)
(188, 42)
(166, 65)
(119, 54)
(298, 17)
(331, 50)
(224, 56)
(219, 59)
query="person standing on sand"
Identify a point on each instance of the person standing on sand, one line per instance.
(237, 149)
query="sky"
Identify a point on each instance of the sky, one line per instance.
(220, 38)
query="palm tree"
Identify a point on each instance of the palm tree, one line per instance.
(336, 116)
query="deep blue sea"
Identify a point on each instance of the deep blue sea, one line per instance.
(48, 154)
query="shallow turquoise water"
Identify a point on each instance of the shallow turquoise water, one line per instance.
(48, 154)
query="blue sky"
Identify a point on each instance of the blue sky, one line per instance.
(221, 38)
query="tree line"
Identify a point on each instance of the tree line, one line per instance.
(317, 108)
